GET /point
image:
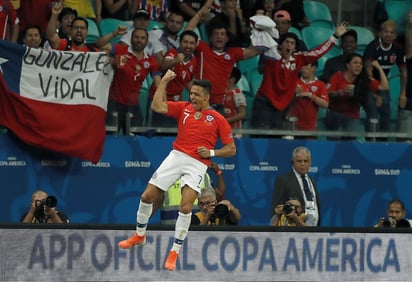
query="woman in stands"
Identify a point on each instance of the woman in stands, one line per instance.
(348, 90)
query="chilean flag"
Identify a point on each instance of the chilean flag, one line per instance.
(55, 100)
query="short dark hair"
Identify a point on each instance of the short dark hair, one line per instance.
(190, 33)
(205, 84)
(67, 11)
(288, 35)
(350, 32)
(314, 64)
(236, 74)
(216, 23)
(139, 28)
(176, 13)
(26, 29)
(82, 20)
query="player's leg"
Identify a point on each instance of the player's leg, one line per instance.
(182, 225)
(162, 179)
(149, 196)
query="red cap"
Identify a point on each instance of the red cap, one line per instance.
(282, 15)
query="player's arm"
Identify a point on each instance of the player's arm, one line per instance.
(159, 104)
(227, 150)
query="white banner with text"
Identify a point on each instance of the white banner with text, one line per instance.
(93, 255)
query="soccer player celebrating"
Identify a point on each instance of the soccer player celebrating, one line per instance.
(199, 127)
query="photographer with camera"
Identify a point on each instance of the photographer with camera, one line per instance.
(291, 214)
(213, 212)
(43, 210)
(395, 213)
(297, 184)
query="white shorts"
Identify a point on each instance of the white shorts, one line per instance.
(179, 165)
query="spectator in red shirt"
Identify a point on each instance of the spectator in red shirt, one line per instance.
(133, 66)
(35, 12)
(235, 101)
(9, 26)
(311, 93)
(215, 61)
(348, 90)
(280, 76)
(77, 38)
(183, 63)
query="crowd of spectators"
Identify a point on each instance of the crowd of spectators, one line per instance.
(221, 31)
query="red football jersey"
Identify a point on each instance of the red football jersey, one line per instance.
(8, 17)
(346, 104)
(233, 100)
(216, 67)
(280, 77)
(304, 108)
(63, 45)
(198, 128)
(184, 73)
(127, 81)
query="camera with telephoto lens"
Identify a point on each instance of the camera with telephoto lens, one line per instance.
(288, 208)
(221, 211)
(389, 222)
(50, 202)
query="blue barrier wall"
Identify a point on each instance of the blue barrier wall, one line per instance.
(355, 180)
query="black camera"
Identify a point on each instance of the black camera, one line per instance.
(50, 201)
(221, 211)
(288, 208)
(389, 222)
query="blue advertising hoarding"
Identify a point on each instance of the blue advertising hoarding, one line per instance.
(355, 179)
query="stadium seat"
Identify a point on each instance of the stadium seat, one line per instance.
(295, 31)
(203, 32)
(93, 33)
(143, 98)
(321, 65)
(314, 35)
(249, 105)
(196, 30)
(322, 24)
(315, 10)
(335, 51)
(394, 91)
(243, 84)
(397, 11)
(249, 64)
(154, 25)
(185, 95)
(255, 79)
(108, 25)
(394, 72)
(365, 35)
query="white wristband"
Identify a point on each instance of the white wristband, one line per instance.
(212, 153)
